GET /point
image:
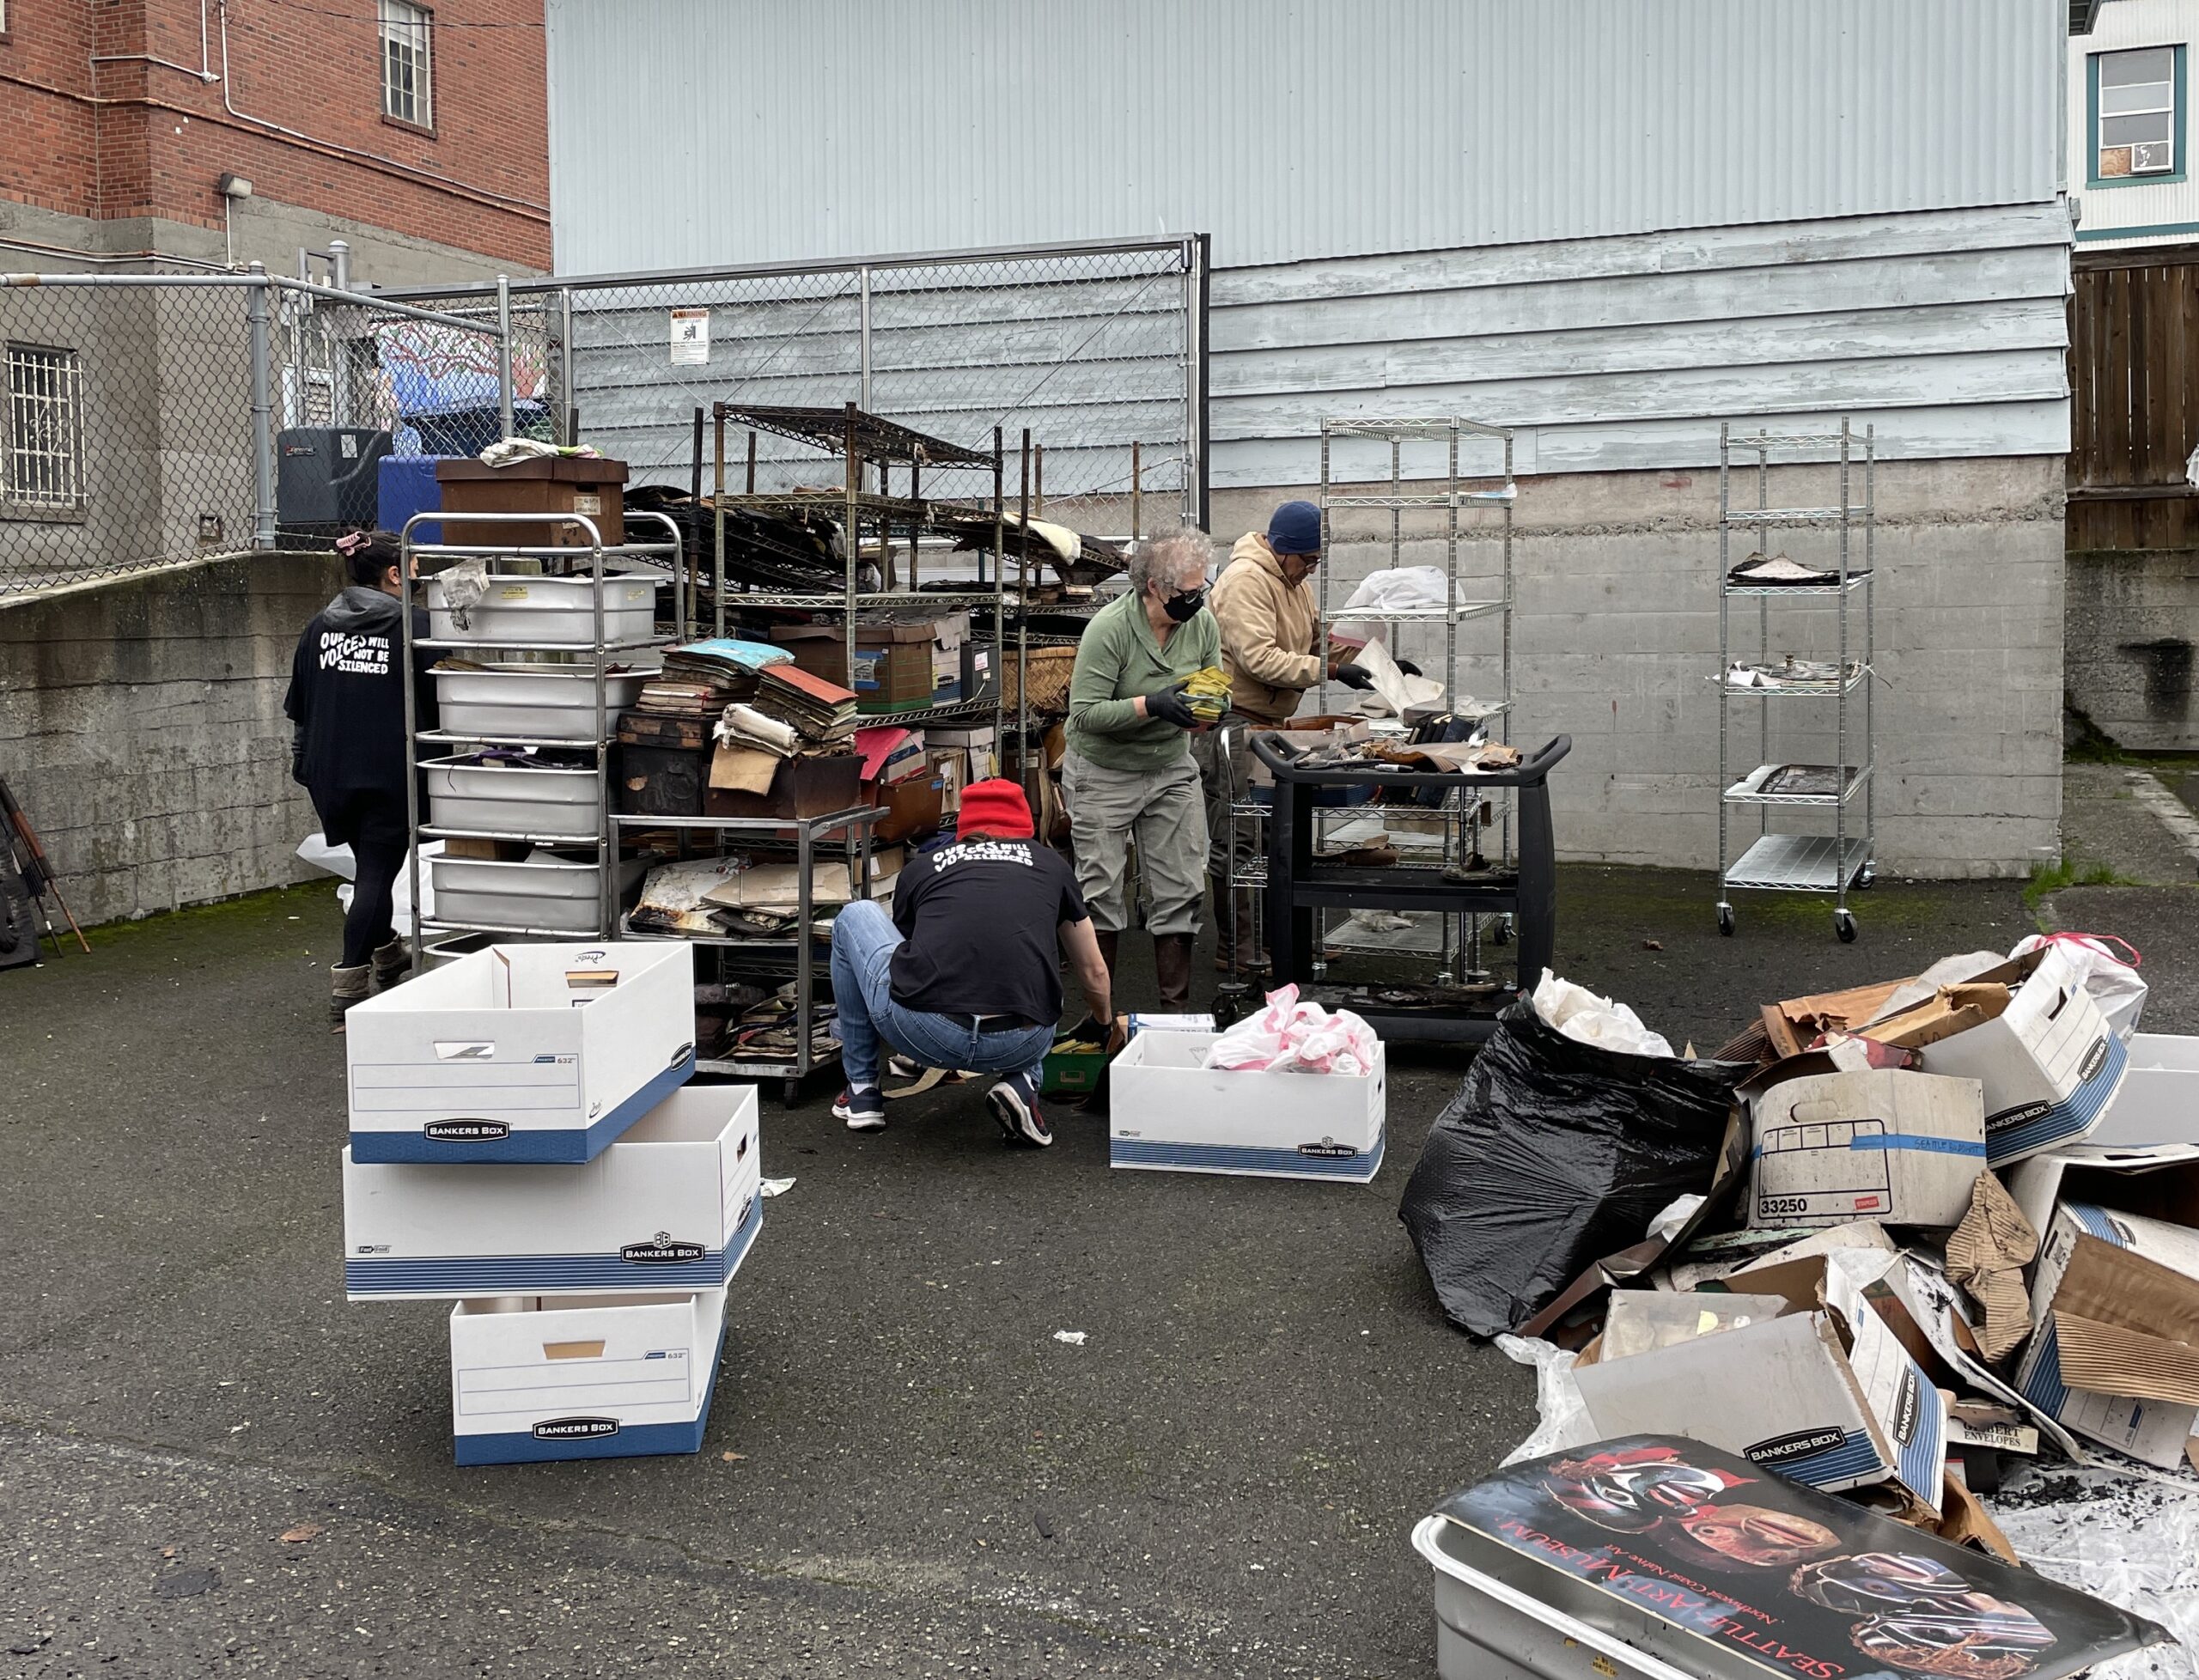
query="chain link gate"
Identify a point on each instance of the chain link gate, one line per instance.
(1095, 349)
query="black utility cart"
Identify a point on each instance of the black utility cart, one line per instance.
(1299, 883)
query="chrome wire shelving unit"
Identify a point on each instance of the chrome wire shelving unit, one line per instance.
(599, 657)
(1467, 821)
(869, 449)
(1777, 860)
(869, 453)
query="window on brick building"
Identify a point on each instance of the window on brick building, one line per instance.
(407, 81)
(44, 461)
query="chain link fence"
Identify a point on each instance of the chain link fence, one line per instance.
(1096, 350)
(156, 420)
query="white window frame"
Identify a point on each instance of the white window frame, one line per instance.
(2104, 117)
(42, 451)
(406, 37)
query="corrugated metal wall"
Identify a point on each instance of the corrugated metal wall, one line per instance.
(1947, 328)
(2161, 212)
(690, 131)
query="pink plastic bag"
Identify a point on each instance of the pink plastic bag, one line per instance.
(1293, 1036)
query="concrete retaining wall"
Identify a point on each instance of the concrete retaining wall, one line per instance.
(2133, 623)
(1617, 634)
(142, 726)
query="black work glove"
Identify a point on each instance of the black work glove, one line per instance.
(1408, 667)
(1169, 705)
(1354, 676)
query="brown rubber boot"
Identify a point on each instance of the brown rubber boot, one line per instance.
(347, 986)
(391, 963)
(1171, 963)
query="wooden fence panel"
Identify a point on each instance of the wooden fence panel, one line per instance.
(2133, 385)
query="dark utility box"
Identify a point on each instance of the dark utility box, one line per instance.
(328, 475)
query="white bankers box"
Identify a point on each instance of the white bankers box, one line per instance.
(673, 1204)
(1169, 1114)
(521, 1053)
(536, 1377)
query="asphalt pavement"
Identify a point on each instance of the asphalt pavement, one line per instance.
(210, 1464)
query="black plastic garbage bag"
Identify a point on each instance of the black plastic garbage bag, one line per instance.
(1553, 1154)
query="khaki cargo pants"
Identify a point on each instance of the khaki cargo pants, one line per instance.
(1162, 811)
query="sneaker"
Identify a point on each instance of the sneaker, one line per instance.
(864, 1111)
(1015, 1104)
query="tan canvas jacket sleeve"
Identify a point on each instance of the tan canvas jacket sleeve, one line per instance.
(1267, 633)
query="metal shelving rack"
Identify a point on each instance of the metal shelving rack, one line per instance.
(1790, 862)
(797, 948)
(599, 656)
(865, 444)
(1453, 493)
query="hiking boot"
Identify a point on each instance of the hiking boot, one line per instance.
(391, 963)
(347, 986)
(864, 1109)
(1015, 1104)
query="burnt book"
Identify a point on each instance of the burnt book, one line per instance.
(813, 705)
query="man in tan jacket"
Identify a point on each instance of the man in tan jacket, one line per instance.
(1268, 618)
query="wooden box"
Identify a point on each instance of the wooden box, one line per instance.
(809, 787)
(551, 485)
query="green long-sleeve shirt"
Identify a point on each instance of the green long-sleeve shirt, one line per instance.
(1117, 661)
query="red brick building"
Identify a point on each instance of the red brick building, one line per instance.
(419, 133)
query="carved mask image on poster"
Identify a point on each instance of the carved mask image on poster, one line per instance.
(1714, 1567)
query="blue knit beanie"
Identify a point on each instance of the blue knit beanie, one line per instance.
(1295, 528)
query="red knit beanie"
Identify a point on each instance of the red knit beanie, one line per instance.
(996, 806)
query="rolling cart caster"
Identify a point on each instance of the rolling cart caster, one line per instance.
(1866, 880)
(1500, 931)
(790, 1093)
(1843, 924)
(1726, 920)
(1232, 1001)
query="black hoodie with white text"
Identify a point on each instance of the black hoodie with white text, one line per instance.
(346, 700)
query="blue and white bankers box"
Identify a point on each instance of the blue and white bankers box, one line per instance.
(674, 1204)
(1170, 1113)
(524, 1141)
(521, 1053)
(543, 1377)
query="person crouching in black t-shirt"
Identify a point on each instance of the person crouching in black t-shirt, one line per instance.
(964, 974)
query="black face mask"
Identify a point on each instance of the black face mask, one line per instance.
(1184, 607)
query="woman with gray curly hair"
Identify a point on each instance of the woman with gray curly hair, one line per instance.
(1129, 770)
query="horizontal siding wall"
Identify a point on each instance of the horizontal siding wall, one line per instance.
(1946, 329)
(845, 128)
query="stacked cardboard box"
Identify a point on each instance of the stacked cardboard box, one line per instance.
(525, 1142)
(1971, 1202)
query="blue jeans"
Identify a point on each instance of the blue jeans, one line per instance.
(864, 940)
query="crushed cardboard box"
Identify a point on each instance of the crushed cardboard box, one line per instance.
(1825, 1394)
(2116, 1354)
(1902, 1147)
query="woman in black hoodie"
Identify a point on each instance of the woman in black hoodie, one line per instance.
(349, 752)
